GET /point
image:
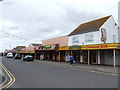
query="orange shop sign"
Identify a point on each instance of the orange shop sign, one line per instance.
(63, 48)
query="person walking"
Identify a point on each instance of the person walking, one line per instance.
(71, 59)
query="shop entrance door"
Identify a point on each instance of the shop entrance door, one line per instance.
(76, 55)
(93, 57)
(62, 56)
(102, 56)
(85, 56)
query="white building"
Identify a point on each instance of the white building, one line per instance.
(99, 31)
(99, 42)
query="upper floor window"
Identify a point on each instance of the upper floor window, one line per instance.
(89, 38)
(75, 39)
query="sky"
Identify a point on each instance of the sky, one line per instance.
(30, 21)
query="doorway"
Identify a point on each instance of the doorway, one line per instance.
(93, 57)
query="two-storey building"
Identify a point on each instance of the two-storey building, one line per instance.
(98, 42)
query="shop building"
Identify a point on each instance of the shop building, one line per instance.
(17, 49)
(50, 49)
(96, 42)
(30, 50)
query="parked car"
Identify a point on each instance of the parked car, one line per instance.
(17, 56)
(9, 55)
(28, 58)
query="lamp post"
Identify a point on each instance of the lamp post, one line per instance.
(119, 22)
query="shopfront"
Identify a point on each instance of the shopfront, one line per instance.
(24, 53)
(48, 52)
(107, 54)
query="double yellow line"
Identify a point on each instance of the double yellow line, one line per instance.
(10, 75)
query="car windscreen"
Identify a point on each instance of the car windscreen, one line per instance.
(10, 54)
(17, 55)
(27, 56)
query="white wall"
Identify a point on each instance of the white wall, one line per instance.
(96, 40)
(111, 30)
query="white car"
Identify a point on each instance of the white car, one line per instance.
(9, 55)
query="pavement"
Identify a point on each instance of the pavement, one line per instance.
(93, 68)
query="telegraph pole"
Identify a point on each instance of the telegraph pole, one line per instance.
(119, 22)
(10, 47)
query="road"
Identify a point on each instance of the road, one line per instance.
(44, 75)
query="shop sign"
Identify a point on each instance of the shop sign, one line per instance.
(26, 52)
(103, 35)
(74, 47)
(90, 47)
(47, 47)
(101, 46)
(63, 48)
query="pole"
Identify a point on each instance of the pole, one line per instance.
(88, 57)
(10, 47)
(114, 58)
(59, 56)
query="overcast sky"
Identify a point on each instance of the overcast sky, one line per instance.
(34, 20)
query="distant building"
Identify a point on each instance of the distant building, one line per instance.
(50, 48)
(18, 48)
(32, 46)
(30, 50)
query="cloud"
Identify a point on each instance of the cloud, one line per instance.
(43, 19)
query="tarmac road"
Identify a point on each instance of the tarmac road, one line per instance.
(44, 75)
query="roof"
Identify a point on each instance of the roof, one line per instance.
(35, 45)
(19, 48)
(89, 26)
(62, 41)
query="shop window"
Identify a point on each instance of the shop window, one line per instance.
(89, 38)
(75, 39)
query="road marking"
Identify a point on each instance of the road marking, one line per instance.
(10, 75)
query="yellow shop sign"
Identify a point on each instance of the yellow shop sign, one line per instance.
(102, 46)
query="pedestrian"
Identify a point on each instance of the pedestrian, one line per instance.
(71, 59)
